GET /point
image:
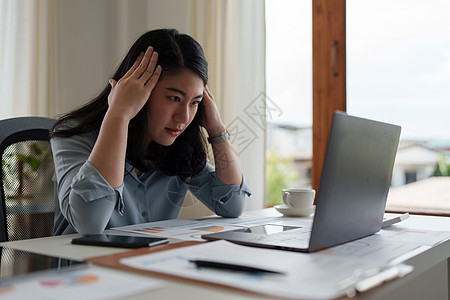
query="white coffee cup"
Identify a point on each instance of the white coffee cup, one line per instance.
(299, 198)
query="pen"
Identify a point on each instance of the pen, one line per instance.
(232, 267)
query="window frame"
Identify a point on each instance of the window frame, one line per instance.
(329, 75)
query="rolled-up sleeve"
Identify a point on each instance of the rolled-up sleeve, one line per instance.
(86, 200)
(224, 200)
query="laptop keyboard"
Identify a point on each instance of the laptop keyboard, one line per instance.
(294, 237)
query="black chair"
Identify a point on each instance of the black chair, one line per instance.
(27, 195)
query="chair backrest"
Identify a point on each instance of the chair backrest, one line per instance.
(26, 191)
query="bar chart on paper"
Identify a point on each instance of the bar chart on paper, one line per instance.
(77, 284)
(151, 230)
(182, 229)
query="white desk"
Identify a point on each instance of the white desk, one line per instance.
(429, 280)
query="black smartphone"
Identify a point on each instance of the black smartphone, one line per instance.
(121, 241)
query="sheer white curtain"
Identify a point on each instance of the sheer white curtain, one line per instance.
(232, 33)
(29, 57)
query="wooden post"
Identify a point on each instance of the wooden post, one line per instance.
(329, 75)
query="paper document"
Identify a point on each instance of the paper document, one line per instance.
(90, 283)
(415, 236)
(193, 229)
(310, 276)
(372, 248)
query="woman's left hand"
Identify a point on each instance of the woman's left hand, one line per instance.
(225, 160)
(211, 118)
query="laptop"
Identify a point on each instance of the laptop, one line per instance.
(351, 200)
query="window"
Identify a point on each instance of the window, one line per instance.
(410, 176)
(398, 71)
(289, 86)
(397, 62)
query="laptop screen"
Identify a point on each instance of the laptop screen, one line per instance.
(355, 180)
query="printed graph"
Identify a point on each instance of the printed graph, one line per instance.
(210, 228)
(69, 280)
(196, 235)
(154, 230)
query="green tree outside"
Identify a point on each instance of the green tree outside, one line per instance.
(280, 174)
(442, 167)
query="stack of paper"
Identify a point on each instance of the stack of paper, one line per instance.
(310, 276)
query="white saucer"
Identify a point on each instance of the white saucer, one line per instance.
(295, 212)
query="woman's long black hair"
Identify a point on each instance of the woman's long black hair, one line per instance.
(187, 155)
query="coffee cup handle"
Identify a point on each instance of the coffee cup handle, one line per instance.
(288, 198)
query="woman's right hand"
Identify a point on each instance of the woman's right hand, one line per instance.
(131, 92)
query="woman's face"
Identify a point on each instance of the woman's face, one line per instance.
(172, 105)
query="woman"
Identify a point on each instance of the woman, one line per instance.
(130, 155)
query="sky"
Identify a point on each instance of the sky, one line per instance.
(398, 63)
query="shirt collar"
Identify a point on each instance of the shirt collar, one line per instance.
(129, 170)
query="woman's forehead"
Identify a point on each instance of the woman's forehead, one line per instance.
(183, 78)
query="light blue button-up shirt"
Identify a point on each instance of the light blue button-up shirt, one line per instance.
(87, 204)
